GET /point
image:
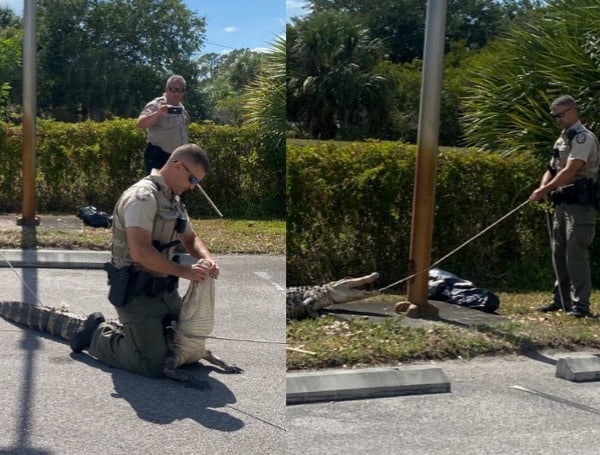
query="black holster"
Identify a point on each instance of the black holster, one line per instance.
(119, 282)
(581, 192)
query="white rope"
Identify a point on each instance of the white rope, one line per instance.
(499, 220)
(215, 337)
(37, 299)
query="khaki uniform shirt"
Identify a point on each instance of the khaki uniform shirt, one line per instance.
(582, 146)
(171, 130)
(145, 206)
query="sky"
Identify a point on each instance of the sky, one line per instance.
(295, 8)
(230, 24)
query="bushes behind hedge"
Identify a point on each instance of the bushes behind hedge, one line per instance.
(91, 163)
(349, 213)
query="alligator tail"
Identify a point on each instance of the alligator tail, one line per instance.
(48, 320)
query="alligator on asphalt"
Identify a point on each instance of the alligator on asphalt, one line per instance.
(307, 301)
(186, 337)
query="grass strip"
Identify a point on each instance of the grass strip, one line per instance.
(358, 343)
(221, 237)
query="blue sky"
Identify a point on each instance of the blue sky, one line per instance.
(295, 8)
(239, 24)
(230, 24)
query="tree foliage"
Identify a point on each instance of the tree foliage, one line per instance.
(11, 67)
(401, 23)
(330, 81)
(98, 57)
(265, 104)
(513, 83)
(223, 78)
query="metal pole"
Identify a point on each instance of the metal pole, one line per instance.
(28, 216)
(427, 143)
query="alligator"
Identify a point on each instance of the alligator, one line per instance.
(307, 301)
(186, 337)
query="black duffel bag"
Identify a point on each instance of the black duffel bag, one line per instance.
(93, 217)
(447, 287)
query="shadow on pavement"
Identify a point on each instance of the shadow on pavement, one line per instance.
(25, 451)
(163, 401)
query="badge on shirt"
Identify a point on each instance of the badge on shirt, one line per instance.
(581, 138)
(143, 194)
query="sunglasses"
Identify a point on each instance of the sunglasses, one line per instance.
(176, 89)
(192, 179)
(560, 114)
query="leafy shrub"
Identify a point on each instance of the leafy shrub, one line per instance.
(91, 163)
(349, 213)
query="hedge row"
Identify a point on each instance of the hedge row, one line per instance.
(349, 213)
(91, 163)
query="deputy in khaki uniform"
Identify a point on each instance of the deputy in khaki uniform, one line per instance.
(149, 219)
(166, 122)
(570, 181)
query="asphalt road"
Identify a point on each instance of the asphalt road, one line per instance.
(512, 405)
(60, 403)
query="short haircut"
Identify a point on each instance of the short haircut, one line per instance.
(564, 100)
(191, 153)
(175, 77)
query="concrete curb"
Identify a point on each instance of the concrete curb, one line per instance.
(64, 259)
(579, 369)
(336, 385)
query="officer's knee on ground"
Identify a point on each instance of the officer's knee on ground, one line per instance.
(153, 368)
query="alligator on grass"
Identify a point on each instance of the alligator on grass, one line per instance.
(186, 337)
(306, 301)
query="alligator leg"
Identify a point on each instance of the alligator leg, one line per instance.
(179, 374)
(231, 369)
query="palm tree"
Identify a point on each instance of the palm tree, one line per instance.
(512, 84)
(330, 82)
(265, 108)
(265, 96)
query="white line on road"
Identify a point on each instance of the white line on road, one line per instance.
(564, 401)
(268, 278)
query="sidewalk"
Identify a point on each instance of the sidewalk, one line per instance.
(47, 221)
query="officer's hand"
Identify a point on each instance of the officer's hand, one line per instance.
(163, 109)
(213, 268)
(538, 195)
(199, 271)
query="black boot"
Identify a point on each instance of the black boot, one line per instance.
(83, 337)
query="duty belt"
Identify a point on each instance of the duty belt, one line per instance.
(160, 285)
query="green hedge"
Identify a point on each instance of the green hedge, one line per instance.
(91, 163)
(349, 213)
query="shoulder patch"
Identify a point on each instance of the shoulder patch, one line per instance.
(581, 138)
(143, 194)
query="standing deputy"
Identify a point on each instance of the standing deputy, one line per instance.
(148, 221)
(570, 181)
(166, 122)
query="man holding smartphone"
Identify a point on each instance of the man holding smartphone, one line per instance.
(166, 122)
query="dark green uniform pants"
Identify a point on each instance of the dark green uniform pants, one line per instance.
(573, 230)
(142, 347)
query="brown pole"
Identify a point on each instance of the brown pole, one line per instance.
(427, 144)
(28, 216)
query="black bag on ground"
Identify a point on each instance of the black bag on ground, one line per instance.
(447, 287)
(93, 217)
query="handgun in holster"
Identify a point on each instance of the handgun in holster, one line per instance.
(118, 280)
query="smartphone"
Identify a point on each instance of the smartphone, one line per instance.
(175, 110)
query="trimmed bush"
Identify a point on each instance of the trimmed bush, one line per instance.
(350, 208)
(91, 163)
